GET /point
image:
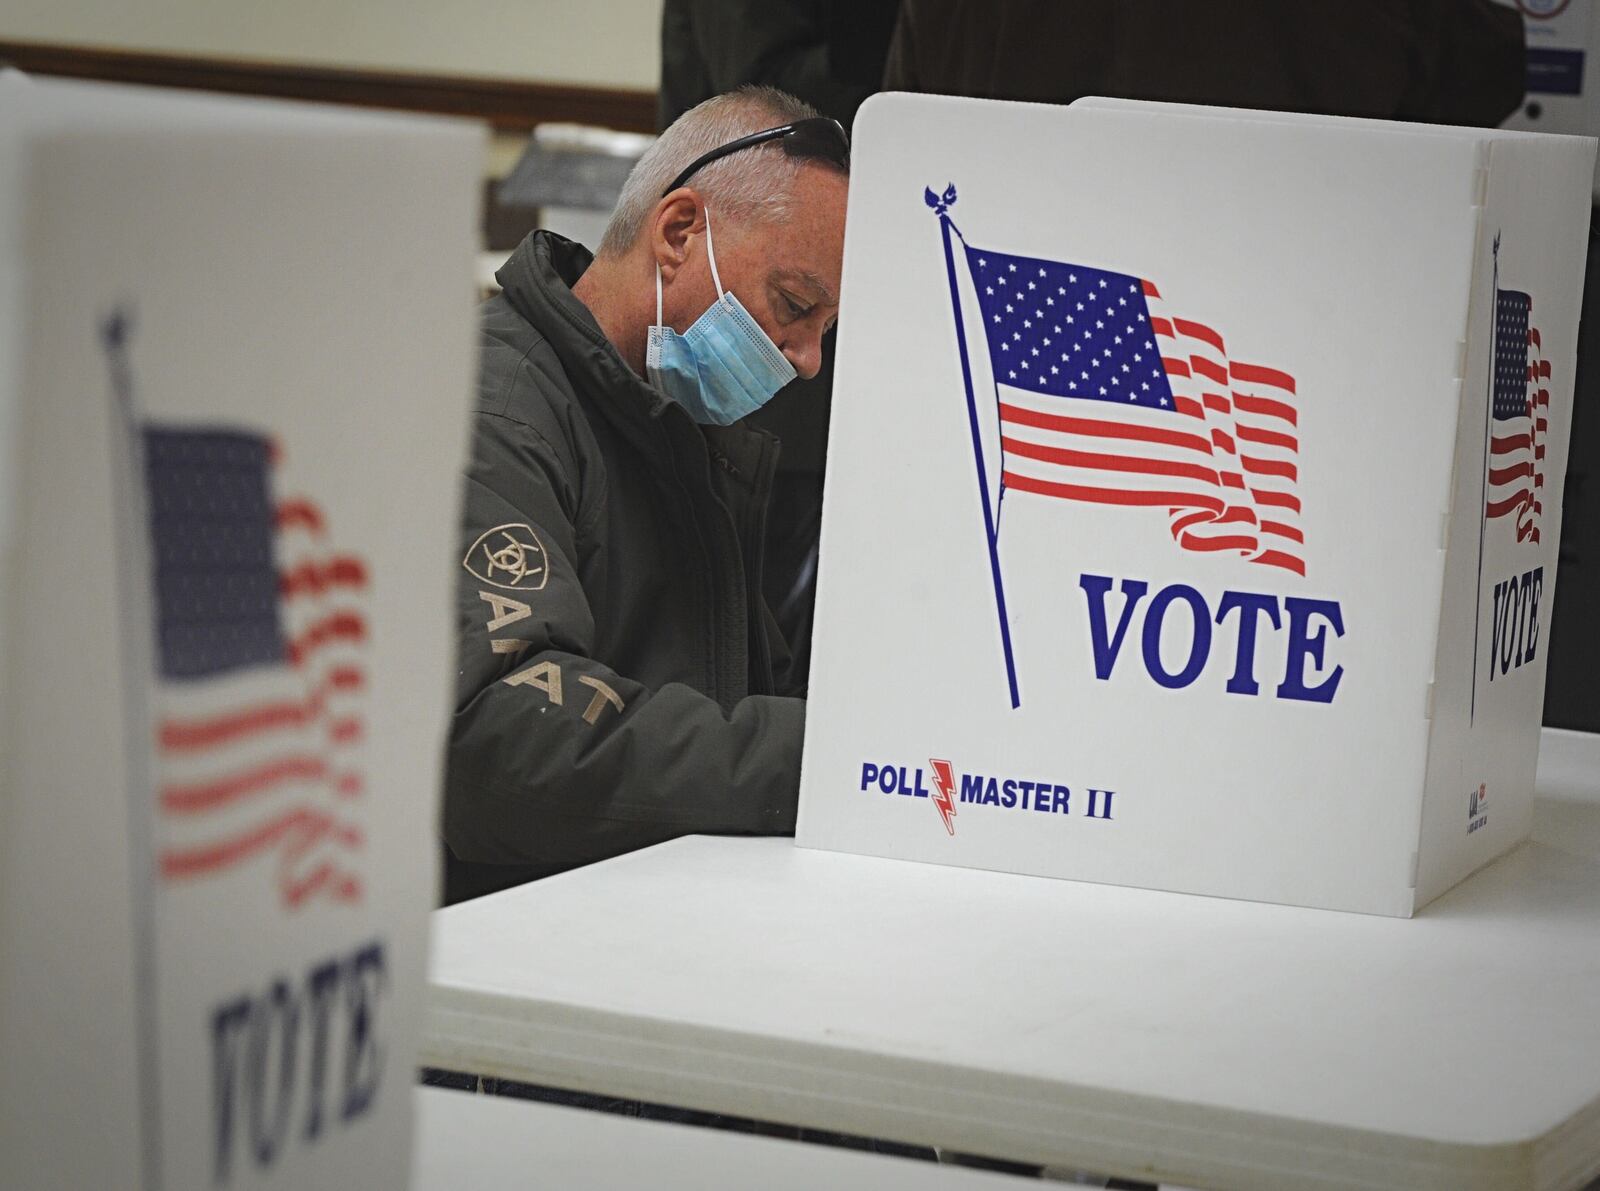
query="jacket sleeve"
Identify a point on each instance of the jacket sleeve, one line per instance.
(555, 759)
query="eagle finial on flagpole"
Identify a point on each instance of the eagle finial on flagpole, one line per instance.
(940, 203)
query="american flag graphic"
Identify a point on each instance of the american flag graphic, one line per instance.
(1520, 416)
(260, 637)
(1107, 397)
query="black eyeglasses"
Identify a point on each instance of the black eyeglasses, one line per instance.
(818, 137)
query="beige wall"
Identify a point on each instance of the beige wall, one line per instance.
(602, 43)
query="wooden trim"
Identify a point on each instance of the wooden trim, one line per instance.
(507, 104)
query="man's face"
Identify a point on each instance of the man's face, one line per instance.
(785, 274)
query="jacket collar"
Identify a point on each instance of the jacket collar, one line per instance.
(537, 280)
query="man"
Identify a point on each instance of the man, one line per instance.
(616, 659)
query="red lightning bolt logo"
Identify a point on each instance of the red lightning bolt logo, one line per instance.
(944, 785)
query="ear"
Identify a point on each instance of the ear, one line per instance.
(677, 219)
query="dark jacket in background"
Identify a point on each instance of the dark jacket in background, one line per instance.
(1439, 61)
(615, 658)
(827, 52)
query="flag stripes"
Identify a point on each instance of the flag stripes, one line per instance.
(262, 680)
(1106, 396)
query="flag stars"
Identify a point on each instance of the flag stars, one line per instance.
(1024, 363)
(1098, 325)
(1054, 371)
(989, 289)
(1035, 351)
(1069, 319)
(1027, 322)
(1016, 335)
(983, 262)
(1041, 378)
(1047, 341)
(1163, 401)
(1102, 390)
(1013, 268)
(1005, 347)
(1041, 272)
(1009, 309)
(1001, 280)
(1080, 305)
(1031, 285)
(1102, 283)
(1145, 386)
(1013, 374)
(1122, 301)
(1049, 301)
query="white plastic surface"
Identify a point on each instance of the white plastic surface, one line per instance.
(1155, 1035)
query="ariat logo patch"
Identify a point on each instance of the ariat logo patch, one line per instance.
(509, 557)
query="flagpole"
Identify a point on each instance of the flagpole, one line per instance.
(991, 530)
(138, 649)
(1483, 495)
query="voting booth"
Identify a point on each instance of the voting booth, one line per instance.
(1193, 496)
(236, 350)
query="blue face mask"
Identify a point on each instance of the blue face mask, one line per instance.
(724, 366)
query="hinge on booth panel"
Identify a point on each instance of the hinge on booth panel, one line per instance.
(1416, 864)
(1480, 187)
(1427, 704)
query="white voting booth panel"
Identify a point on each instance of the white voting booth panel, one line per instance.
(1193, 496)
(237, 351)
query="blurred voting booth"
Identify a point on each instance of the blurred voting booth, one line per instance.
(1193, 496)
(236, 349)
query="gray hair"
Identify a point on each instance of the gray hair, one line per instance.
(753, 183)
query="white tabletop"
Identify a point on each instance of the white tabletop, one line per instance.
(465, 1140)
(1153, 1035)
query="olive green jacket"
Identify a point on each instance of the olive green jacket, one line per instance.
(615, 660)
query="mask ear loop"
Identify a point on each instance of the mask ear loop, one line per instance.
(711, 255)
